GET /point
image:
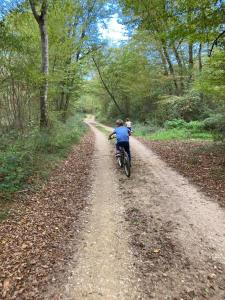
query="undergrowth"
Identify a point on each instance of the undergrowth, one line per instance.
(176, 129)
(29, 158)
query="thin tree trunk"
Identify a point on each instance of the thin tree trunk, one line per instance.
(61, 102)
(180, 65)
(166, 73)
(190, 59)
(66, 105)
(170, 65)
(200, 57)
(106, 87)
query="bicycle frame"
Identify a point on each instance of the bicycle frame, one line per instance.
(123, 161)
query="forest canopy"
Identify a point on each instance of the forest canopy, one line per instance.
(172, 66)
(54, 60)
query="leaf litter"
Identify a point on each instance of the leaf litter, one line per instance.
(202, 162)
(35, 242)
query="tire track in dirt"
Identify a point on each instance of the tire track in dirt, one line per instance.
(104, 266)
(153, 236)
(178, 235)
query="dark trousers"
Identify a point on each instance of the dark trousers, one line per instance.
(126, 146)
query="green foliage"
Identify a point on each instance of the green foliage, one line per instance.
(180, 123)
(179, 134)
(216, 124)
(72, 32)
(36, 152)
(133, 82)
(144, 130)
(188, 107)
(103, 129)
(211, 81)
(175, 123)
(162, 73)
(105, 119)
(174, 129)
(195, 126)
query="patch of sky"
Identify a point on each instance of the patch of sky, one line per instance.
(8, 5)
(113, 32)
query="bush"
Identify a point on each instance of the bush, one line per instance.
(36, 152)
(143, 130)
(195, 126)
(15, 166)
(216, 124)
(175, 123)
(189, 107)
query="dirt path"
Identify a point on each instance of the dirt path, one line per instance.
(105, 267)
(200, 221)
(179, 237)
(153, 236)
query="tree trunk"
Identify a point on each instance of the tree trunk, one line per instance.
(190, 59)
(44, 70)
(180, 65)
(42, 23)
(170, 65)
(200, 57)
(166, 73)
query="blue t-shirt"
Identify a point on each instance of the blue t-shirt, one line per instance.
(122, 134)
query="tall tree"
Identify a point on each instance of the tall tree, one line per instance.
(42, 23)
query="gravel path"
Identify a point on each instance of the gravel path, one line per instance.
(153, 236)
(178, 233)
(105, 267)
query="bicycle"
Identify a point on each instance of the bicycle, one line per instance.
(123, 161)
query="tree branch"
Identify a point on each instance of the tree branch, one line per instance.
(44, 8)
(105, 86)
(215, 43)
(33, 8)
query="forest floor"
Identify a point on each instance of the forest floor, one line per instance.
(92, 233)
(37, 239)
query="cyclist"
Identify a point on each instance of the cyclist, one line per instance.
(122, 137)
(128, 124)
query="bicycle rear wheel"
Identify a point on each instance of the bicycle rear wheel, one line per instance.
(126, 165)
(120, 161)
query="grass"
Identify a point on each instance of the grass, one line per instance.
(102, 129)
(28, 160)
(178, 134)
(184, 131)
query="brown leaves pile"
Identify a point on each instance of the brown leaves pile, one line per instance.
(202, 162)
(34, 241)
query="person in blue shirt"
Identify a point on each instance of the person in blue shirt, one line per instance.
(122, 137)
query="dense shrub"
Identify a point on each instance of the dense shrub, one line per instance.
(180, 123)
(216, 124)
(195, 125)
(35, 152)
(175, 123)
(189, 107)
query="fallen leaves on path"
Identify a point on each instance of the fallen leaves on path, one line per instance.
(34, 242)
(202, 162)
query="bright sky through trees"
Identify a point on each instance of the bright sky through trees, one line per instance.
(114, 31)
